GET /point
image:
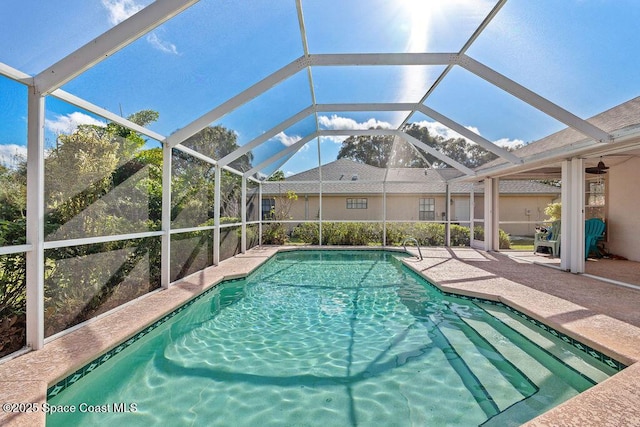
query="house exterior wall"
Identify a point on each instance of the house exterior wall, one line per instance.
(623, 202)
(523, 209)
(335, 208)
(519, 208)
(407, 207)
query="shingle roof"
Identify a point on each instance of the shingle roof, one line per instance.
(398, 180)
(618, 118)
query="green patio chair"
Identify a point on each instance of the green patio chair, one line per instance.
(549, 239)
(593, 230)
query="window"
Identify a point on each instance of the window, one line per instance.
(356, 203)
(427, 210)
(595, 197)
(268, 209)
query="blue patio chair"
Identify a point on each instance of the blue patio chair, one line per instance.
(593, 229)
(549, 239)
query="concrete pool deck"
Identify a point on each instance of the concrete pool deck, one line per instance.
(601, 315)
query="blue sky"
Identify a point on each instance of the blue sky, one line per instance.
(582, 55)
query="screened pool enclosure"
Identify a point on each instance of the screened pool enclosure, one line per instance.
(143, 141)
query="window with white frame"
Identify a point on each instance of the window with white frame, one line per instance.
(427, 210)
(356, 203)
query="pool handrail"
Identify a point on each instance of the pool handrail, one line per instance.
(412, 239)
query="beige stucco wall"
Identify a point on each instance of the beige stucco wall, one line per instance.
(523, 209)
(406, 208)
(623, 220)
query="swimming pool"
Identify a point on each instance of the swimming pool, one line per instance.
(330, 338)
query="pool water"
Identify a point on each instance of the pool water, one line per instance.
(332, 338)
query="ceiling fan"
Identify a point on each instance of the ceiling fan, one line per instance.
(597, 170)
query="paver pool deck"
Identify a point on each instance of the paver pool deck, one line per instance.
(604, 316)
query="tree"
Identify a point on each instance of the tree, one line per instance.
(389, 151)
(381, 151)
(276, 176)
(193, 185)
(216, 142)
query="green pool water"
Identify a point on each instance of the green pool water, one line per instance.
(331, 338)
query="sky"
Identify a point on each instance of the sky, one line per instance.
(580, 54)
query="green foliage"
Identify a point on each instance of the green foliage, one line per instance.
(381, 151)
(388, 151)
(274, 233)
(277, 233)
(276, 176)
(503, 238)
(553, 211)
(12, 303)
(362, 234)
(82, 282)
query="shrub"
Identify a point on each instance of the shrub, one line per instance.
(503, 238)
(307, 232)
(274, 233)
(361, 234)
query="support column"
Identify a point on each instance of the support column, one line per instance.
(35, 220)
(565, 224)
(216, 216)
(576, 216)
(472, 213)
(491, 214)
(447, 209)
(166, 216)
(384, 212)
(260, 213)
(243, 210)
(320, 211)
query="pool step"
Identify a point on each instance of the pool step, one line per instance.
(553, 389)
(505, 390)
(594, 370)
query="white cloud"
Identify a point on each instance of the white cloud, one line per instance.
(119, 10)
(287, 140)
(289, 173)
(336, 122)
(9, 152)
(162, 45)
(508, 143)
(345, 123)
(69, 123)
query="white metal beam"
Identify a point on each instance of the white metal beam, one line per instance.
(14, 74)
(86, 105)
(35, 221)
(484, 143)
(243, 213)
(108, 43)
(290, 149)
(196, 154)
(216, 216)
(534, 99)
(265, 136)
(398, 106)
(165, 256)
(346, 59)
(235, 102)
